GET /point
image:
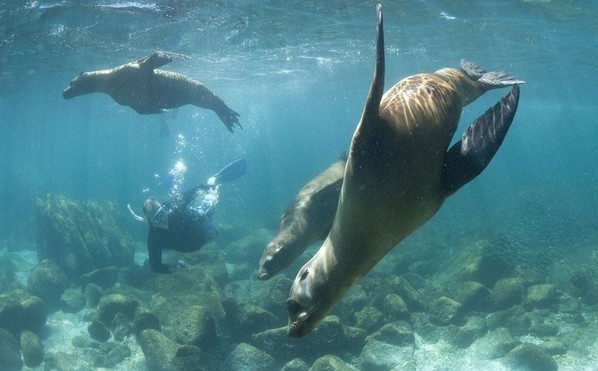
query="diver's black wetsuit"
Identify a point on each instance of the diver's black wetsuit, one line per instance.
(188, 230)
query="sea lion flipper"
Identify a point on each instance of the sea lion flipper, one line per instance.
(371, 112)
(159, 59)
(489, 80)
(377, 88)
(467, 158)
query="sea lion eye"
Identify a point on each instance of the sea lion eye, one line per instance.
(304, 275)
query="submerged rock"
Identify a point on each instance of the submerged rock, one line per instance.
(369, 318)
(72, 301)
(541, 296)
(445, 311)
(194, 326)
(20, 311)
(516, 319)
(248, 319)
(93, 294)
(159, 351)
(396, 333)
(474, 296)
(183, 289)
(329, 337)
(121, 327)
(331, 363)
(47, 281)
(82, 236)
(530, 357)
(145, 319)
(495, 344)
(98, 331)
(395, 308)
(296, 364)
(508, 292)
(112, 356)
(32, 349)
(465, 335)
(111, 304)
(381, 356)
(10, 356)
(246, 357)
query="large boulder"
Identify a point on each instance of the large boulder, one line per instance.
(529, 357)
(246, 357)
(32, 349)
(330, 337)
(182, 289)
(331, 363)
(161, 353)
(82, 236)
(194, 326)
(21, 311)
(10, 357)
(48, 281)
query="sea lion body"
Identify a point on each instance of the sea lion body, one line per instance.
(398, 174)
(148, 90)
(306, 219)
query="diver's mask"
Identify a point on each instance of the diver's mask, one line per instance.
(156, 214)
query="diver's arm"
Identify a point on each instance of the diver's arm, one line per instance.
(155, 252)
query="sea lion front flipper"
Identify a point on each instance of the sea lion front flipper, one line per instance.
(159, 59)
(371, 112)
(467, 158)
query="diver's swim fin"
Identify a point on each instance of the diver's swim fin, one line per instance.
(229, 173)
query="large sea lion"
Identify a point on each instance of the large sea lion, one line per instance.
(398, 174)
(306, 219)
(148, 90)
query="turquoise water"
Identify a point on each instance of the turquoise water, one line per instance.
(298, 73)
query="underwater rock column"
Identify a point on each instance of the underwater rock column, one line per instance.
(81, 236)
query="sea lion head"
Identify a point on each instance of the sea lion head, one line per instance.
(276, 256)
(82, 84)
(301, 305)
(312, 296)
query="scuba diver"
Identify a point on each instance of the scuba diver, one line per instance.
(183, 223)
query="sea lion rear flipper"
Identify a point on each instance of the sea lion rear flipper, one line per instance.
(489, 80)
(467, 158)
(159, 59)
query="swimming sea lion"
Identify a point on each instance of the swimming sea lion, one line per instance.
(306, 219)
(148, 90)
(398, 174)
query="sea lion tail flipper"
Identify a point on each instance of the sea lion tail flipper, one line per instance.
(159, 59)
(229, 173)
(467, 158)
(490, 80)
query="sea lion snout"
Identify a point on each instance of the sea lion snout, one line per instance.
(78, 86)
(298, 318)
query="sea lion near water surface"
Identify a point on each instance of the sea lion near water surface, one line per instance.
(148, 90)
(398, 174)
(306, 219)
